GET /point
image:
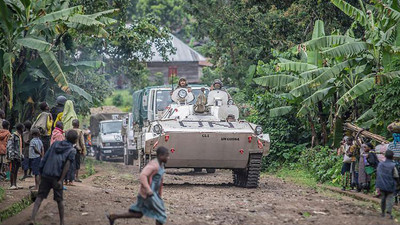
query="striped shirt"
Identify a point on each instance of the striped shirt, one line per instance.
(395, 149)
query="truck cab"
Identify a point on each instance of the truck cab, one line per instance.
(107, 133)
(110, 140)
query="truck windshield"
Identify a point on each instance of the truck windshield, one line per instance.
(163, 99)
(112, 127)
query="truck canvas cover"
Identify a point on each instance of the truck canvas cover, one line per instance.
(97, 118)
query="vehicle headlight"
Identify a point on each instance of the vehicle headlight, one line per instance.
(157, 129)
(258, 130)
(182, 93)
(230, 102)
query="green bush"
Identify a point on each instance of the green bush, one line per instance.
(323, 163)
(118, 100)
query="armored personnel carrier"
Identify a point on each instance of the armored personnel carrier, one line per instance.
(207, 134)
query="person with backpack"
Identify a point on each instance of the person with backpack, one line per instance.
(26, 136)
(44, 123)
(4, 136)
(57, 111)
(14, 154)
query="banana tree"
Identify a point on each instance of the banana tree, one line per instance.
(31, 37)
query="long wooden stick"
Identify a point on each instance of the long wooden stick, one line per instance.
(365, 133)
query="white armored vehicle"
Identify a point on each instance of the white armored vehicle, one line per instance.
(207, 133)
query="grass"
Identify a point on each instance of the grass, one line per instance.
(297, 176)
(126, 100)
(15, 208)
(2, 194)
(89, 166)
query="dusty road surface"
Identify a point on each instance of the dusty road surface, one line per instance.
(204, 199)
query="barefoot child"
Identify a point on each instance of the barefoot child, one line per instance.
(36, 152)
(149, 202)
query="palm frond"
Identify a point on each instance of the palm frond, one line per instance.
(296, 67)
(85, 20)
(317, 96)
(8, 59)
(356, 91)
(275, 80)
(327, 41)
(347, 49)
(331, 73)
(58, 15)
(351, 11)
(55, 70)
(33, 43)
(81, 92)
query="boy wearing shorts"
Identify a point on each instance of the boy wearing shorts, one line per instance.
(36, 152)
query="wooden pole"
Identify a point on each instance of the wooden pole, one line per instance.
(365, 133)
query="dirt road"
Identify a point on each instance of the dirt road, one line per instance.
(204, 199)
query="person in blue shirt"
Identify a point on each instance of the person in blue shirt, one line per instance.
(36, 152)
(53, 168)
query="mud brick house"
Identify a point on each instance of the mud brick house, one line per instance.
(186, 62)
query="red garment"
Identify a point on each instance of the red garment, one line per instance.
(57, 135)
(4, 135)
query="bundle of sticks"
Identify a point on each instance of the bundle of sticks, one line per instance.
(365, 133)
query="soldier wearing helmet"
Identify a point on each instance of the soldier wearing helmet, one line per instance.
(217, 85)
(218, 93)
(182, 84)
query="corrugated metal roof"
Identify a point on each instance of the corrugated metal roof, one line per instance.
(184, 53)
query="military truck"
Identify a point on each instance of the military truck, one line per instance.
(107, 139)
(213, 139)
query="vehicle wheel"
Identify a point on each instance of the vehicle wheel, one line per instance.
(198, 170)
(102, 158)
(249, 177)
(210, 170)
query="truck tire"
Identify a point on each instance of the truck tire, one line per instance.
(249, 177)
(210, 170)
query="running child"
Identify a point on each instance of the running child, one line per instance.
(149, 202)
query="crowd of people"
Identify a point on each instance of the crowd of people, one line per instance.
(27, 146)
(362, 161)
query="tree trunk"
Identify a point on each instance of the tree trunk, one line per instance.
(314, 138)
(322, 120)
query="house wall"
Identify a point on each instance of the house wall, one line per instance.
(190, 70)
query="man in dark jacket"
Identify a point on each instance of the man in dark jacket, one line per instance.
(386, 178)
(53, 168)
